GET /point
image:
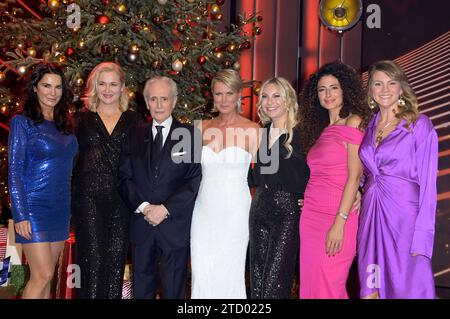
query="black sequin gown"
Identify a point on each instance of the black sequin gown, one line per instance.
(274, 218)
(100, 217)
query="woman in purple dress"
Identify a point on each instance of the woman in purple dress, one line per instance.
(399, 153)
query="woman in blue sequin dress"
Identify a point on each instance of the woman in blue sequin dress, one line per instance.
(42, 149)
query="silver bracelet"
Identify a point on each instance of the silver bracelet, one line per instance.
(343, 215)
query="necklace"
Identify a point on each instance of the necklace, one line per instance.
(380, 132)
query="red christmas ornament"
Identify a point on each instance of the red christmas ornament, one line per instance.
(246, 45)
(259, 18)
(70, 51)
(173, 72)
(220, 2)
(201, 60)
(105, 2)
(102, 19)
(193, 88)
(257, 31)
(136, 27)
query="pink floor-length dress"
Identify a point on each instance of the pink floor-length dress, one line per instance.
(321, 276)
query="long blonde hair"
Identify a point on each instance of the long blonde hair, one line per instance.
(290, 96)
(91, 98)
(410, 111)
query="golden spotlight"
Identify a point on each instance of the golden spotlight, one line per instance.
(340, 15)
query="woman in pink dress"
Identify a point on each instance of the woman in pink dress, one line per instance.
(333, 117)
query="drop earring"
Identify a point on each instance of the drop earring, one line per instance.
(372, 103)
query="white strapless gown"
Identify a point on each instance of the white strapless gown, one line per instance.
(220, 230)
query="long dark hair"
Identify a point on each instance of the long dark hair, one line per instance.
(31, 107)
(313, 118)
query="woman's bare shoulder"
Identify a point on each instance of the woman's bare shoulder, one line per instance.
(246, 123)
(353, 121)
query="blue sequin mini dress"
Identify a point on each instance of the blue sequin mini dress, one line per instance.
(39, 177)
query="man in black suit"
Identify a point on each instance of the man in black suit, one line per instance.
(159, 177)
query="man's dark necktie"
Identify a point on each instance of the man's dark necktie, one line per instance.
(157, 145)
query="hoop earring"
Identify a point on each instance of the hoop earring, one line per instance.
(372, 103)
(401, 101)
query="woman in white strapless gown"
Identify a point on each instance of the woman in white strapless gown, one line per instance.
(220, 221)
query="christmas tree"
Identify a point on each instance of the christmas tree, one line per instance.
(176, 38)
(182, 39)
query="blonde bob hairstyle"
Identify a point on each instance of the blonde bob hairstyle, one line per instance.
(91, 98)
(410, 111)
(232, 79)
(290, 97)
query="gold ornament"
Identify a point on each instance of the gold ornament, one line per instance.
(219, 55)
(2, 77)
(134, 48)
(4, 109)
(31, 52)
(81, 44)
(215, 9)
(231, 47)
(62, 59)
(121, 8)
(185, 61)
(256, 89)
(177, 65)
(79, 82)
(53, 4)
(131, 95)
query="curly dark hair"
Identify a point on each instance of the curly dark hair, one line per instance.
(313, 118)
(31, 107)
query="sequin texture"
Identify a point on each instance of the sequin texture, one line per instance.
(101, 218)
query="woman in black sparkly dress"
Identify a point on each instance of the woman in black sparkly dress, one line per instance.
(101, 219)
(280, 176)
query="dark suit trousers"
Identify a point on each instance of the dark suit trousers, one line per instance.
(173, 268)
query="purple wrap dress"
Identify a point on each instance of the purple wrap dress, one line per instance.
(398, 211)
